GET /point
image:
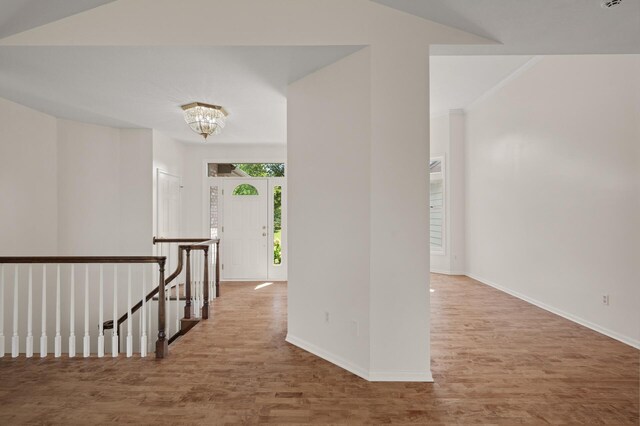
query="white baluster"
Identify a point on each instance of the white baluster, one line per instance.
(195, 283)
(129, 318)
(43, 336)
(15, 340)
(154, 274)
(86, 341)
(177, 290)
(200, 282)
(167, 296)
(101, 314)
(143, 314)
(198, 285)
(58, 339)
(72, 314)
(2, 312)
(30, 315)
(215, 272)
(212, 272)
(114, 335)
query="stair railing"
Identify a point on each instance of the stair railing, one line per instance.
(65, 279)
(213, 261)
(191, 287)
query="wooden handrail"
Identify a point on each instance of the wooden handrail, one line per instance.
(203, 241)
(181, 248)
(162, 343)
(134, 308)
(157, 240)
(85, 259)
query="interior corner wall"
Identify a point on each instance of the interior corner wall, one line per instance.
(104, 205)
(457, 193)
(328, 159)
(28, 182)
(553, 190)
(136, 195)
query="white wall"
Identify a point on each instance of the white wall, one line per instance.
(363, 182)
(28, 182)
(400, 210)
(136, 195)
(553, 175)
(329, 212)
(104, 186)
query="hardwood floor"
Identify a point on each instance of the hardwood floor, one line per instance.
(496, 360)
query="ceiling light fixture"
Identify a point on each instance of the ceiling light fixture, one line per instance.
(205, 119)
(607, 4)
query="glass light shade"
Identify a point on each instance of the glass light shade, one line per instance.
(205, 119)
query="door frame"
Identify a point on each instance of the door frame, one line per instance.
(159, 172)
(275, 272)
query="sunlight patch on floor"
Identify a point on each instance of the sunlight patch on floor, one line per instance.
(258, 287)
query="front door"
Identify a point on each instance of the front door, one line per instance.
(244, 235)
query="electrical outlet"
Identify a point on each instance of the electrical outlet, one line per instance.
(326, 316)
(605, 299)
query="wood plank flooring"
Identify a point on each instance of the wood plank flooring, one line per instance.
(496, 360)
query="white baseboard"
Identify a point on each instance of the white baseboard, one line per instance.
(595, 327)
(446, 272)
(377, 376)
(328, 356)
(400, 376)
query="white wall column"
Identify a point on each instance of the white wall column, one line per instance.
(358, 213)
(399, 295)
(456, 173)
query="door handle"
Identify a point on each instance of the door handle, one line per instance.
(264, 234)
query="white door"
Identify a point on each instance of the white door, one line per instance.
(245, 234)
(168, 215)
(168, 205)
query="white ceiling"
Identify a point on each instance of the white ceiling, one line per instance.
(144, 87)
(458, 81)
(528, 27)
(21, 15)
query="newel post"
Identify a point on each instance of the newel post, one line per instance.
(205, 280)
(162, 345)
(218, 268)
(187, 287)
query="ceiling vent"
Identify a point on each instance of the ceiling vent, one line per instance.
(611, 3)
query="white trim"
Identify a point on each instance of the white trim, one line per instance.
(159, 172)
(595, 327)
(328, 356)
(446, 272)
(372, 376)
(401, 376)
(515, 74)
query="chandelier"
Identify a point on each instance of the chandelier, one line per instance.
(204, 119)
